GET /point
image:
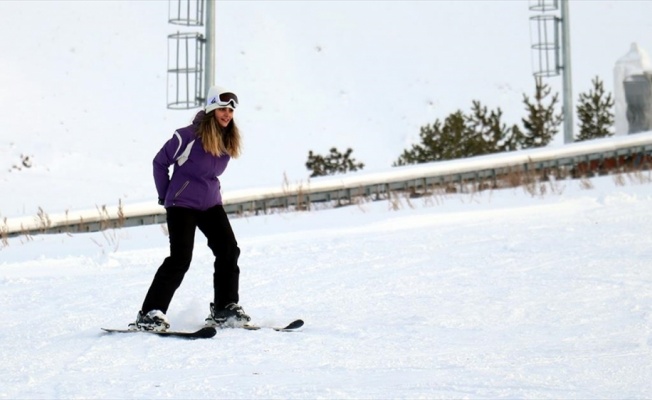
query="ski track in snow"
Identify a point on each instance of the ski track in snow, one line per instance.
(492, 295)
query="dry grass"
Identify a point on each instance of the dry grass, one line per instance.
(538, 184)
(586, 184)
(4, 236)
(639, 176)
(43, 220)
(107, 225)
(619, 180)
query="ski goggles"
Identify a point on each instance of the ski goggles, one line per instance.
(224, 100)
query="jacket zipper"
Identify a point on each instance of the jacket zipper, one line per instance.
(181, 189)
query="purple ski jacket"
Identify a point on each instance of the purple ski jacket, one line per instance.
(194, 183)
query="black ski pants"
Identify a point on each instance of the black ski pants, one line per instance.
(182, 224)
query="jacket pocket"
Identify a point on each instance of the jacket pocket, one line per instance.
(183, 187)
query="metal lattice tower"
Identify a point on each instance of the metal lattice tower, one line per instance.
(191, 60)
(550, 34)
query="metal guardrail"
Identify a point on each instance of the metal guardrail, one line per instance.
(377, 185)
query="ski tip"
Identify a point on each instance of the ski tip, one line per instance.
(296, 324)
(114, 330)
(206, 332)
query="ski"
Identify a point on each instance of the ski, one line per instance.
(208, 332)
(291, 327)
(204, 333)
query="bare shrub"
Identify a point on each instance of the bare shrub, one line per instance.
(513, 178)
(43, 220)
(121, 214)
(394, 201)
(555, 186)
(639, 177)
(586, 184)
(619, 179)
(4, 233)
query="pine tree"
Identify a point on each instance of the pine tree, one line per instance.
(422, 152)
(334, 163)
(595, 114)
(456, 140)
(493, 135)
(442, 141)
(460, 135)
(542, 123)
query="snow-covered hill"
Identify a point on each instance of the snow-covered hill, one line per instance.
(84, 84)
(486, 295)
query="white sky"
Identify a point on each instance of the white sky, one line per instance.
(84, 84)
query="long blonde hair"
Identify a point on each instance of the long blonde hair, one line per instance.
(218, 140)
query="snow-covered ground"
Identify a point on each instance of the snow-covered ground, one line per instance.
(497, 294)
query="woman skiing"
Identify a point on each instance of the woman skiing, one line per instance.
(200, 153)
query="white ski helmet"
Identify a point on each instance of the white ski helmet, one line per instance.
(218, 97)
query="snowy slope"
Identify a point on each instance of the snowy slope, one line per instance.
(488, 295)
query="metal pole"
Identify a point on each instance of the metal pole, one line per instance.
(568, 90)
(209, 66)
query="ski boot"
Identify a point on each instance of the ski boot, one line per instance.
(154, 320)
(232, 315)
